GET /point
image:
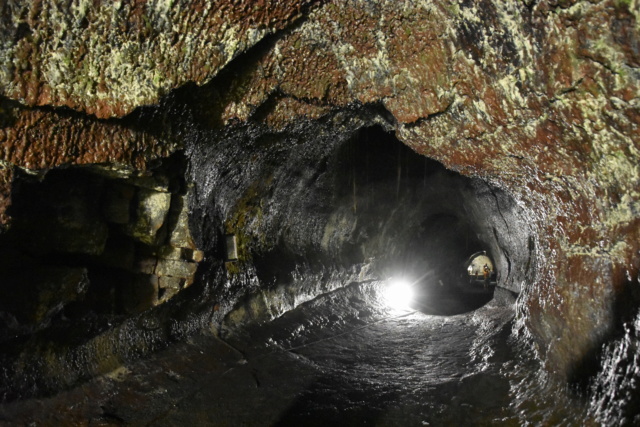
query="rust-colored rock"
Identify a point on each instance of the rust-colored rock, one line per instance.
(107, 58)
(40, 140)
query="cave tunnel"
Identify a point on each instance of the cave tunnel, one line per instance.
(370, 208)
(321, 235)
(102, 266)
(323, 232)
(410, 218)
(301, 213)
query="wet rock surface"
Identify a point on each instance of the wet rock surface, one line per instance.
(343, 357)
(535, 101)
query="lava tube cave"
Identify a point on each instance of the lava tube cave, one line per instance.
(302, 213)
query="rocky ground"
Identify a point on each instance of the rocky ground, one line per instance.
(343, 358)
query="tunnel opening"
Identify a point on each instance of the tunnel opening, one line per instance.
(414, 220)
(313, 219)
(332, 226)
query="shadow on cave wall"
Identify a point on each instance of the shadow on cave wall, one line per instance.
(90, 254)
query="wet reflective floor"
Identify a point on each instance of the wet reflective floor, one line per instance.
(342, 359)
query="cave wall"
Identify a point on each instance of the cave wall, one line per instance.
(537, 98)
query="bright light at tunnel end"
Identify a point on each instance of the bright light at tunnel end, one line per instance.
(398, 294)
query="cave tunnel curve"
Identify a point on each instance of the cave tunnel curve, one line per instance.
(412, 217)
(371, 203)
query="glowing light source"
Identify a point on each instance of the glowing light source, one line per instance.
(398, 294)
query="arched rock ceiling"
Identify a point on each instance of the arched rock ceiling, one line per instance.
(540, 98)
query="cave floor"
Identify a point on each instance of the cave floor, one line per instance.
(341, 359)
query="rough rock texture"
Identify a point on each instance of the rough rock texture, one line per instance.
(538, 98)
(40, 140)
(126, 232)
(89, 252)
(107, 58)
